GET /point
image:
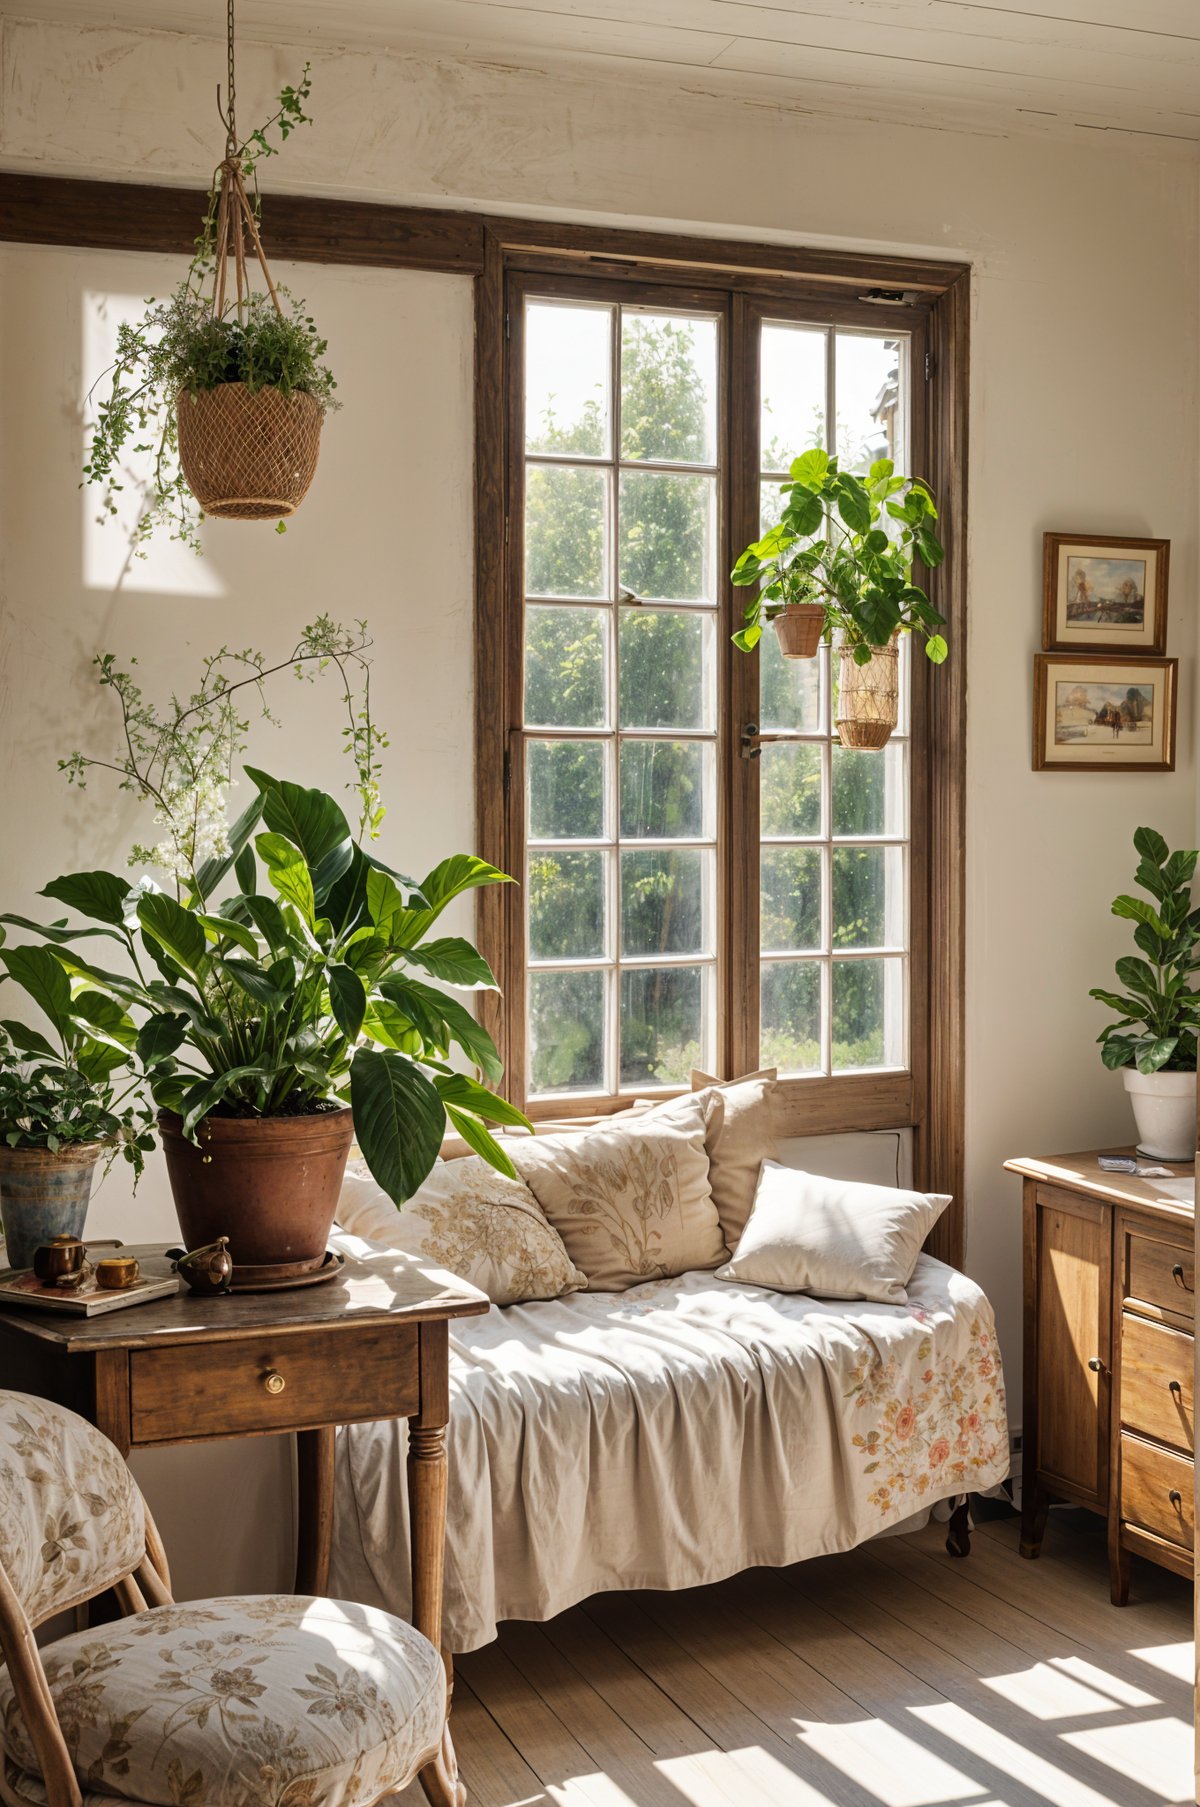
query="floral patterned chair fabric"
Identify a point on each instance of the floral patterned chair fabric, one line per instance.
(268, 1701)
(232, 1703)
(71, 1517)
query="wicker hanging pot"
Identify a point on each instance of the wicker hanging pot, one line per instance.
(868, 696)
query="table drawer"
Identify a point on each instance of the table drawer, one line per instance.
(1162, 1274)
(1157, 1491)
(273, 1383)
(1157, 1382)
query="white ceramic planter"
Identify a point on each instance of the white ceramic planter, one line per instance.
(1164, 1109)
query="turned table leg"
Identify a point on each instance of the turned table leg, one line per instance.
(427, 1473)
(314, 1493)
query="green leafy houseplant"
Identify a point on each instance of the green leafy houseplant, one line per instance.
(830, 550)
(1157, 1011)
(194, 343)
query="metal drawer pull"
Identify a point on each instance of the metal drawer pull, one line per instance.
(273, 1381)
(1096, 1365)
(1175, 1497)
(1176, 1387)
(1177, 1275)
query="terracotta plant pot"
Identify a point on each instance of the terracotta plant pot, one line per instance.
(271, 1184)
(248, 454)
(44, 1193)
(799, 628)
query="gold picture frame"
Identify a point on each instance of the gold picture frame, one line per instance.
(1106, 713)
(1104, 593)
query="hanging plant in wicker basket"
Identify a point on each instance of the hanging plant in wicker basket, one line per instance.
(223, 382)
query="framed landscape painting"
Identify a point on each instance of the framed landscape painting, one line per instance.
(1103, 714)
(1104, 593)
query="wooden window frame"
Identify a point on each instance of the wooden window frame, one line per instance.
(914, 294)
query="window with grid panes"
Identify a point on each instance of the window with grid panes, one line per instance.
(628, 464)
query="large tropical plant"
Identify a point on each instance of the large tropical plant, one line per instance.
(1158, 1013)
(829, 548)
(307, 988)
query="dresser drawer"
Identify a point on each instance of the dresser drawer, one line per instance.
(281, 1383)
(1157, 1491)
(1161, 1274)
(1157, 1382)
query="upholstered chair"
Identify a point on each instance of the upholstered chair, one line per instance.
(272, 1700)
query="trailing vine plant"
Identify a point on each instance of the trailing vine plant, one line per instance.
(181, 757)
(185, 343)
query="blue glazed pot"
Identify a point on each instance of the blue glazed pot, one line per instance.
(44, 1194)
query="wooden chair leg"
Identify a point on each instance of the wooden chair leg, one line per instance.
(439, 1779)
(1035, 1509)
(958, 1530)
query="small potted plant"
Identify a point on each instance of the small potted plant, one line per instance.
(830, 570)
(1153, 1041)
(225, 384)
(62, 1110)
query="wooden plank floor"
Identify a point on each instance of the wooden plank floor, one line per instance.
(889, 1677)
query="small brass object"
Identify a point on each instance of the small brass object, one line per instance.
(116, 1272)
(207, 1270)
(273, 1381)
(60, 1261)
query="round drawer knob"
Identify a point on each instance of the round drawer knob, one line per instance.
(1176, 1387)
(274, 1382)
(1175, 1497)
(1095, 1364)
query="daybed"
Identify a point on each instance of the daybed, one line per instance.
(673, 1434)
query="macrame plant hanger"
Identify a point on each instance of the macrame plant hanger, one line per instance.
(247, 454)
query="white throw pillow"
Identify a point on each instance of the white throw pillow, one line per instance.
(467, 1218)
(835, 1238)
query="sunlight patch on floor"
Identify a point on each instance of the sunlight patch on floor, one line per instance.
(1123, 1692)
(1176, 1660)
(1044, 1692)
(1155, 1753)
(897, 1770)
(1039, 1775)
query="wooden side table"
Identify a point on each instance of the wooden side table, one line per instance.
(372, 1344)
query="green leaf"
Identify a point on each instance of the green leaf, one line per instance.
(936, 649)
(1150, 844)
(1180, 869)
(159, 1037)
(36, 971)
(288, 871)
(811, 467)
(461, 872)
(1134, 910)
(399, 1119)
(27, 1040)
(311, 821)
(54, 932)
(1138, 975)
(468, 1094)
(222, 928)
(854, 505)
(1155, 1054)
(481, 1140)
(386, 1023)
(200, 1099)
(246, 871)
(747, 638)
(1117, 1052)
(881, 470)
(176, 930)
(443, 1020)
(930, 548)
(455, 962)
(100, 895)
(251, 979)
(1114, 1001)
(347, 1000)
(105, 1015)
(268, 919)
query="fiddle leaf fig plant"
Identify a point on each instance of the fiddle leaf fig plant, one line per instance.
(831, 549)
(1158, 1012)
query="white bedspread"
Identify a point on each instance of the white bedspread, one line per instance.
(673, 1435)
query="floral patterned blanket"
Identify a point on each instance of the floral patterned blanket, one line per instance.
(674, 1434)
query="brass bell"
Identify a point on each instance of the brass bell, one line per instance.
(207, 1270)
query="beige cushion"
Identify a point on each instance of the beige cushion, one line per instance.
(630, 1200)
(266, 1699)
(468, 1218)
(743, 1140)
(835, 1238)
(71, 1519)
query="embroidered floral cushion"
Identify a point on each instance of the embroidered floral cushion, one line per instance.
(468, 1218)
(631, 1200)
(71, 1519)
(274, 1699)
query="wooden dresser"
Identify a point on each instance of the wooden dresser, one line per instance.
(1109, 1356)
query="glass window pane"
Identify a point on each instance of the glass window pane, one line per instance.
(566, 539)
(663, 903)
(566, 790)
(868, 1014)
(790, 689)
(568, 378)
(793, 393)
(869, 412)
(565, 677)
(868, 897)
(790, 795)
(666, 655)
(566, 905)
(667, 790)
(663, 1020)
(668, 535)
(790, 1011)
(790, 900)
(870, 790)
(771, 504)
(668, 388)
(566, 1032)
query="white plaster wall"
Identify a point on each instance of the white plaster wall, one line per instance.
(1083, 406)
